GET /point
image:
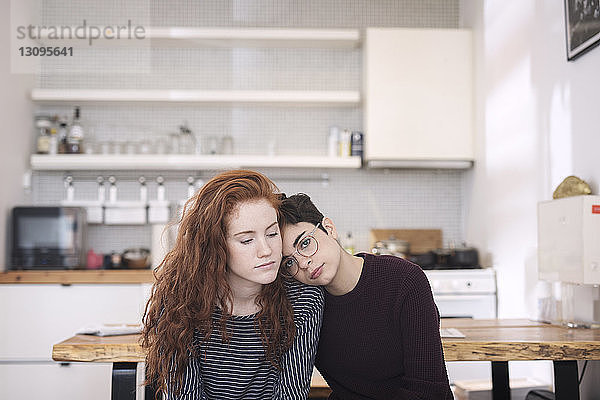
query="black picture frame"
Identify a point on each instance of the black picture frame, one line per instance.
(582, 26)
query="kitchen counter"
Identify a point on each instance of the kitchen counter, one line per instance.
(68, 277)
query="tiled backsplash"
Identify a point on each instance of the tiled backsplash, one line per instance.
(357, 200)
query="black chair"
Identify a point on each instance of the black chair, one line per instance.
(540, 395)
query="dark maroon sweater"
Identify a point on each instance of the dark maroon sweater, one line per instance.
(382, 340)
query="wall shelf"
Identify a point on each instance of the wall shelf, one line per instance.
(220, 37)
(292, 97)
(420, 164)
(174, 162)
(67, 277)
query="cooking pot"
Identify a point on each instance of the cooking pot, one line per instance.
(424, 260)
(136, 258)
(442, 258)
(464, 257)
(393, 246)
(456, 258)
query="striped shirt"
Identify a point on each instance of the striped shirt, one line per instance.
(238, 369)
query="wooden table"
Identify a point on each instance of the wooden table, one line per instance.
(125, 352)
(501, 341)
(498, 341)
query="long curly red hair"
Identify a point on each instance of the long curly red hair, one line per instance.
(191, 283)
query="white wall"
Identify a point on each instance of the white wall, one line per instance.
(15, 135)
(538, 122)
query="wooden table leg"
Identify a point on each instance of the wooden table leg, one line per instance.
(123, 381)
(500, 382)
(566, 380)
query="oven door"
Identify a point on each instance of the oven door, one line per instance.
(467, 306)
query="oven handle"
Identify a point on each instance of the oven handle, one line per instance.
(461, 297)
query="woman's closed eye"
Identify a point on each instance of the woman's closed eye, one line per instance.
(273, 234)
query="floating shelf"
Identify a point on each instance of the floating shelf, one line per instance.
(220, 37)
(339, 98)
(178, 162)
(420, 164)
(68, 277)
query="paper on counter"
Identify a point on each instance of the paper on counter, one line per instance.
(110, 329)
(451, 333)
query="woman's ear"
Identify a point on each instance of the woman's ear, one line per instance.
(330, 227)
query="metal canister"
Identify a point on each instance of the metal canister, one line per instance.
(356, 146)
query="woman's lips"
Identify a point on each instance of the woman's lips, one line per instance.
(317, 272)
(265, 265)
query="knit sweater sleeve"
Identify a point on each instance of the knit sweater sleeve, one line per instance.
(423, 361)
(298, 362)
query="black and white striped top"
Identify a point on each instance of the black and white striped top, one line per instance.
(239, 370)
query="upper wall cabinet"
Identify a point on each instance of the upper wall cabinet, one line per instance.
(418, 97)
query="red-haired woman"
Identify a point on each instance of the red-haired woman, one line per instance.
(221, 323)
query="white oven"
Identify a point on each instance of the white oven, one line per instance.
(465, 293)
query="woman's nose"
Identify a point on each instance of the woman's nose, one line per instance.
(264, 248)
(304, 262)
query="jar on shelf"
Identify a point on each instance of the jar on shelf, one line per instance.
(43, 124)
(187, 140)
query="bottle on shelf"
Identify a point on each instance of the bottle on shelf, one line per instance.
(349, 243)
(345, 143)
(62, 133)
(75, 135)
(332, 141)
(53, 146)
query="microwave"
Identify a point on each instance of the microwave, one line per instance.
(48, 238)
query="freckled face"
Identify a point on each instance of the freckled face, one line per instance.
(321, 267)
(253, 244)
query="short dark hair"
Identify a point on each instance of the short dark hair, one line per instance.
(299, 208)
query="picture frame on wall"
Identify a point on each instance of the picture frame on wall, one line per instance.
(582, 26)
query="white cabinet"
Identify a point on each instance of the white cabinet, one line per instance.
(53, 381)
(34, 317)
(418, 95)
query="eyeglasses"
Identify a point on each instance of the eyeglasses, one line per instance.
(306, 247)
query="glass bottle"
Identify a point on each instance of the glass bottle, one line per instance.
(53, 148)
(349, 243)
(344, 143)
(63, 132)
(75, 136)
